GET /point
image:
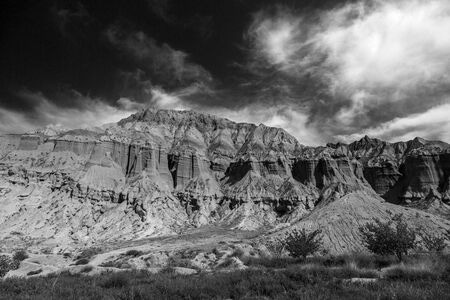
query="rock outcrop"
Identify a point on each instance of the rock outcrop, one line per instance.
(159, 172)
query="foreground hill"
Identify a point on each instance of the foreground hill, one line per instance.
(164, 172)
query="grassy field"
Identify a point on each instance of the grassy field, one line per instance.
(418, 277)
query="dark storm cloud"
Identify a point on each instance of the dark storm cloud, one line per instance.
(161, 8)
(164, 65)
(323, 69)
(69, 18)
(200, 24)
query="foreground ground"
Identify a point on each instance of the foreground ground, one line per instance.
(331, 277)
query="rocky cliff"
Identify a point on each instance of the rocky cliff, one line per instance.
(159, 172)
(408, 173)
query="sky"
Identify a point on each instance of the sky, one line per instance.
(324, 70)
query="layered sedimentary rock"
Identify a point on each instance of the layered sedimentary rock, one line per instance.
(160, 172)
(404, 172)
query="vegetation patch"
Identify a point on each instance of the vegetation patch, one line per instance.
(134, 253)
(115, 280)
(35, 272)
(299, 281)
(86, 269)
(300, 243)
(7, 264)
(360, 260)
(89, 253)
(82, 261)
(116, 264)
(404, 273)
(20, 255)
(393, 237)
(270, 262)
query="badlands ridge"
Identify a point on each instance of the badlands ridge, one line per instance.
(162, 172)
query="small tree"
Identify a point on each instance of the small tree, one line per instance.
(300, 243)
(433, 243)
(387, 238)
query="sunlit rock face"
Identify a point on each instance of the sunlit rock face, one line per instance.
(405, 172)
(160, 171)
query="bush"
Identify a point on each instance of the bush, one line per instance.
(175, 261)
(387, 238)
(433, 243)
(83, 261)
(228, 262)
(300, 244)
(86, 269)
(239, 253)
(38, 271)
(7, 264)
(20, 255)
(134, 253)
(89, 253)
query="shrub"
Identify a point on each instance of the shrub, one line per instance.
(89, 253)
(239, 253)
(86, 269)
(83, 261)
(134, 253)
(38, 271)
(433, 243)
(228, 262)
(300, 243)
(216, 252)
(20, 255)
(7, 264)
(174, 261)
(46, 251)
(387, 238)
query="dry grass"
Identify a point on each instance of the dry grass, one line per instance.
(416, 278)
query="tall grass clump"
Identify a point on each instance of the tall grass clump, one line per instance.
(115, 280)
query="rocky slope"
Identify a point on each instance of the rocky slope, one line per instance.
(162, 172)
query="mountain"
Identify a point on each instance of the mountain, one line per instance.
(160, 172)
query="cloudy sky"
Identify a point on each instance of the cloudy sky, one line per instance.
(325, 71)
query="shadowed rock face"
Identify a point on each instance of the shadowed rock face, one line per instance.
(159, 172)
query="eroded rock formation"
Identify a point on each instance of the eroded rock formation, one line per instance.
(160, 172)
